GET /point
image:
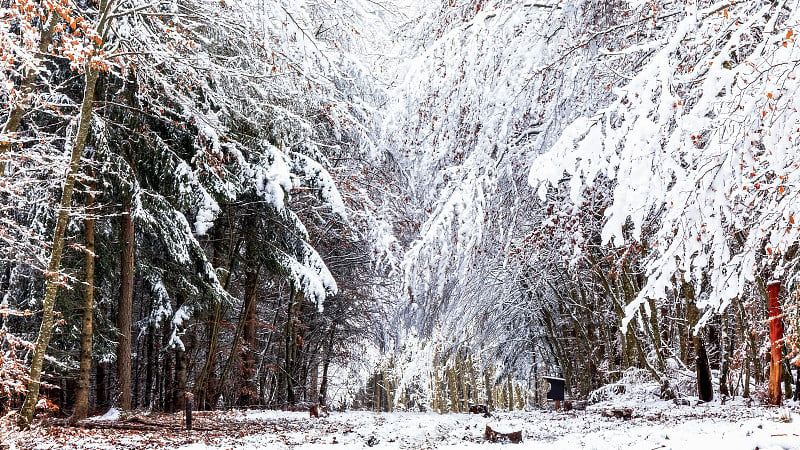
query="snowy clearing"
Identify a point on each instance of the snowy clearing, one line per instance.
(658, 425)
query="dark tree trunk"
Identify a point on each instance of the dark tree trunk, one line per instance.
(181, 362)
(151, 367)
(179, 389)
(705, 389)
(289, 340)
(167, 380)
(101, 385)
(323, 387)
(125, 306)
(726, 351)
(248, 396)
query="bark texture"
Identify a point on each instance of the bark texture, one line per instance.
(82, 394)
(125, 305)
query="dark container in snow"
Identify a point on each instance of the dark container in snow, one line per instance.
(556, 391)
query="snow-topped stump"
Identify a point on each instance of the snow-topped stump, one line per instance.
(499, 432)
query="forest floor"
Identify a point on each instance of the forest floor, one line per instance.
(653, 425)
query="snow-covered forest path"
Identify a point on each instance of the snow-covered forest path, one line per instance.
(656, 425)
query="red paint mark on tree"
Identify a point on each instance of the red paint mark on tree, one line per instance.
(775, 338)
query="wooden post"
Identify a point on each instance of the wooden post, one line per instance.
(775, 337)
(189, 408)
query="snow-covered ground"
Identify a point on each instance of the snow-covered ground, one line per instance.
(655, 425)
(659, 426)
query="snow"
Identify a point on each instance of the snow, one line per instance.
(654, 425)
(110, 415)
(687, 140)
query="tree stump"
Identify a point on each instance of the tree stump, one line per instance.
(500, 435)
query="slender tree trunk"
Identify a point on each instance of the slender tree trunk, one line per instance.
(101, 385)
(452, 388)
(168, 385)
(179, 390)
(510, 397)
(725, 345)
(152, 367)
(473, 394)
(705, 390)
(125, 307)
(378, 391)
(704, 387)
(288, 363)
(323, 387)
(181, 363)
(206, 385)
(82, 394)
(656, 336)
(248, 396)
(54, 267)
(786, 376)
(25, 89)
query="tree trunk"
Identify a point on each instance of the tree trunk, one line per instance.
(656, 336)
(152, 367)
(179, 389)
(101, 385)
(452, 388)
(776, 338)
(125, 307)
(487, 381)
(53, 276)
(82, 394)
(323, 387)
(726, 348)
(786, 376)
(166, 378)
(181, 363)
(289, 338)
(705, 390)
(247, 396)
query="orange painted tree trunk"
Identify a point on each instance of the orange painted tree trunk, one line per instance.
(776, 338)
